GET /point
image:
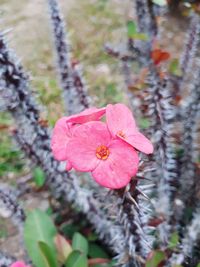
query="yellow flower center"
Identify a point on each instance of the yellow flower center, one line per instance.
(102, 152)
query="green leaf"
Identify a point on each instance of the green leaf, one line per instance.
(156, 258)
(80, 243)
(39, 177)
(38, 227)
(131, 29)
(48, 254)
(76, 259)
(132, 32)
(198, 265)
(174, 240)
(69, 230)
(96, 251)
(160, 2)
(174, 67)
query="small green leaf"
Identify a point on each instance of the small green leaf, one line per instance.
(174, 67)
(69, 230)
(131, 28)
(96, 251)
(39, 177)
(80, 243)
(156, 258)
(174, 240)
(48, 254)
(133, 33)
(76, 259)
(160, 2)
(38, 227)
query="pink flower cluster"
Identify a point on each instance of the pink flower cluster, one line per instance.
(109, 150)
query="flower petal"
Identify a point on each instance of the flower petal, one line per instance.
(68, 166)
(62, 133)
(120, 119)
(96, 131)
(19, 264)
(81, 149)
(139, 141)
(90, 114)
(117, 170)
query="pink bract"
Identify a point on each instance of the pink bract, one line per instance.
(68, 166)
(121, 124)
(90, 114)
(112, 162)
(19, 264)
(62, 133)
(64, 127)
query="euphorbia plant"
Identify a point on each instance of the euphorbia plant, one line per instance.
(124, 224)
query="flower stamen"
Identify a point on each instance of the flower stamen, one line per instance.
(102, 152)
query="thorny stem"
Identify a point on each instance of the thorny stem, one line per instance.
(34, 139)
(72, 83)
(5, 260)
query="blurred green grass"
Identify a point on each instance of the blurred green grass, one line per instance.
(10, 157)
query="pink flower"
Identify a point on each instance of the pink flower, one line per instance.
(105, 150)
(19, 264)
(112, 162)
(63, 131)
(121, 124)
(90, 114)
